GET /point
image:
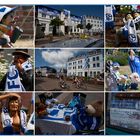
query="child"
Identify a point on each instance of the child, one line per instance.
(7, 26)
(135, 80)
(120, 79)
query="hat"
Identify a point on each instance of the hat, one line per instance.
(23, 52)
(4, 10)
(116, 64)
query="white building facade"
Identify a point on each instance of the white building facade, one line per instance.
(46, 14)
(96, 22)
(76, 65)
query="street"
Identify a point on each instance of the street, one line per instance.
(48, 84)
(75, 42)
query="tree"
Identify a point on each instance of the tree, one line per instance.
(125, 9)
(89, 26)
(56, 23)
(80, 26)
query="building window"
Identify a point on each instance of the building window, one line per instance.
(98, 64)
(97, 58)
(50, 28)
(98, 73)
(90, 73)
(94, 73)
(93, 58)
(51, 17)
(43, 15)
(79, 67)
(94, 65)
(80, 62)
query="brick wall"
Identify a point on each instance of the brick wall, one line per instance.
(28, 26)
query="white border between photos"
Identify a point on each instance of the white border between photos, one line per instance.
(62, 2)
(70, 2)
(73, 137)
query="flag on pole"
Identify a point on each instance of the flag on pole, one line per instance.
(66, 12)
(86, 62)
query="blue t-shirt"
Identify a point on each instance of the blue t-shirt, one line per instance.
(134, 64)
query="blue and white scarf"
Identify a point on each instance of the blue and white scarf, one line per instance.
(132, 35)
(27, 65)
(7, 121)
(13, 82)
(137, 19)
(58, 113)
(82, 121)
(109, 16)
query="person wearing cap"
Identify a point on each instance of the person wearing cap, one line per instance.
(20, 75)
(115, 71)
(120, 79)
(13, 119)
(134, 62)
(6, 25)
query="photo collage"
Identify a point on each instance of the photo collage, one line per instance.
(69, 70)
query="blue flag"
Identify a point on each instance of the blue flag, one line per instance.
(86, 62)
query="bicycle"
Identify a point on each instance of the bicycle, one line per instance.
(63, 85)
(80, 84)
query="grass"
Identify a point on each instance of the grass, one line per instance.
(125, 70)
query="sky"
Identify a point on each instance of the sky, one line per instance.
(56, 58)
(80, 10)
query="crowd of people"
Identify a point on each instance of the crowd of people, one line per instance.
(123, 82)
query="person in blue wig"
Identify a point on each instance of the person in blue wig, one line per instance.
(134, 62)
